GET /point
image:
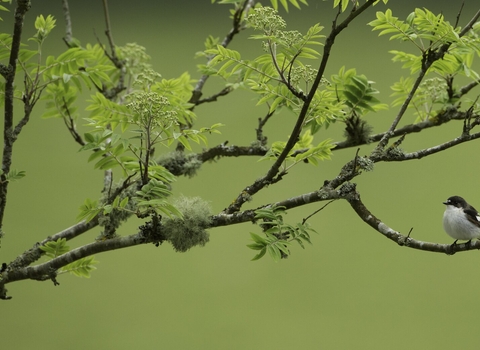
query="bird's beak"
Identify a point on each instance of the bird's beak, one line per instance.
(445, 203)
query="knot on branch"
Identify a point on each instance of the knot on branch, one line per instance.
(53, 276)
(23, 6)
(451, 112)
(152, 231)
(326, 192)
(347, 190)
(430, 56)
(5, 71)
(404, 241)
(179, 163)
(394, 153)
(468, 125)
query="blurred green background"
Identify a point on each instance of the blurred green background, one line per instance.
(353, 289)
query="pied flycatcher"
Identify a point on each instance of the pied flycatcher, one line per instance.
(461, 220)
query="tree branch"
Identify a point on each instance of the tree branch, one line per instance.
(33, 254)
(273, 171)
(355, 202)
(237, 26)
(259, 131)
(429, 57)
(441, 118)
(68, 38)
(225, 91)
(387, 157)
(387, 135)
(470, 24)
(43, 271)
(112, 93)
(9, 136)
(70, 124)
(465, 89)
(280, 72)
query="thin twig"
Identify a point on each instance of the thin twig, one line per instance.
(108, 32)
(317, 211)
(280, 72)
(458, 15)
(225, 91)
(354, 167)
(470, 24)
(466, 88)
(236, 27)
(383, 142)
(70, 124)
(261, 123)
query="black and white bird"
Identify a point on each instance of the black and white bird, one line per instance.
(460, 220)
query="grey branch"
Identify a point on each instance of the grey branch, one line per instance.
(44, 271)
(33, 254)
(428, 151)
(441, 118)
(214, 97)
(402, 240)
(68, 24)
(9, 136)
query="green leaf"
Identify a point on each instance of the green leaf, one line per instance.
(343, 3)
(256, 238)
(55, 248)
(89, 210)
(80, 268)
(260, 255)
(274, 252)
(14, 175)
(256, 246)
(124, 202)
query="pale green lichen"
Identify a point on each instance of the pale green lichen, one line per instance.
(190, 230)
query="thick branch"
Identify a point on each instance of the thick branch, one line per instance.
(44, 271)
(324, 194)
(231, 151)
(9, 136)
(439, 119)
(31, 255)
(402, 240)
(427, 151)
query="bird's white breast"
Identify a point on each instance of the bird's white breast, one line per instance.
(457, 226)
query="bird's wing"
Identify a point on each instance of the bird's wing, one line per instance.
(472, 216)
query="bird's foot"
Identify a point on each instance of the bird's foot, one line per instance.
(451, 248)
